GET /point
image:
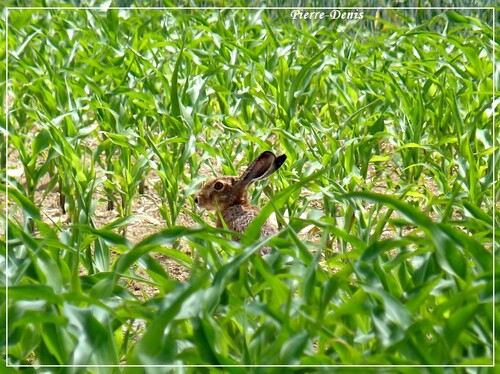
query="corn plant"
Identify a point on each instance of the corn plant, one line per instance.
(386, 202)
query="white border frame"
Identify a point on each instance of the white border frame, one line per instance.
(104, 8)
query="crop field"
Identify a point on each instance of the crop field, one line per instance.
(114, 118)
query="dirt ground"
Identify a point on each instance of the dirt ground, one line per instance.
(145, 209)
(148, 220)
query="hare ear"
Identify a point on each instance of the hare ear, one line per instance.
(266, 164)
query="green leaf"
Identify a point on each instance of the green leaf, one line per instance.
(29, 209)
(458, 322)
(95, 343)
(293, 348)
(34, 292)
(58, 342)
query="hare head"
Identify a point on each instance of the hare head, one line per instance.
(224, 192)
(229, 195)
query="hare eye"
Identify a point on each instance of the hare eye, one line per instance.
(218, 185)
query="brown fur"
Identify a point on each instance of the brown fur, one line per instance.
(229, 196)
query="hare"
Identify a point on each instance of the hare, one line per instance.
(229, 197)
